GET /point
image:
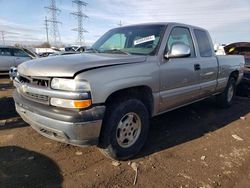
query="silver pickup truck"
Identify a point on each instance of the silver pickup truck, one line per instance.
(107, 95)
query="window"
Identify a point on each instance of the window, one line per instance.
(181, 35)
(137, 40)
(5, 52)
(19, 53)
(203, 43)
(117, 41)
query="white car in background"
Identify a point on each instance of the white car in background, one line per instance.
(11, 57)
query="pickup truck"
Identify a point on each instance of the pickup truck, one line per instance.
(106, 96)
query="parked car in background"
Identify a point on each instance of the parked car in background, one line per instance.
(45, 54)
(30, 52)
(64, 53)
(242, 48)
(79, 49)
(12, 56)
(106, 95)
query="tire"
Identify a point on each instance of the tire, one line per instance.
(224, 100)
(125, 129)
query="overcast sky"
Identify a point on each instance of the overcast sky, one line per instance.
(228, 21)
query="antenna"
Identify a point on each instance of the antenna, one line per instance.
(80, 17)
(53, 11)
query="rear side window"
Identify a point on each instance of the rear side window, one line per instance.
(5, 52)
(203, 43)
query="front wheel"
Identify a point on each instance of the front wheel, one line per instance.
(225, 99)
(125, 129)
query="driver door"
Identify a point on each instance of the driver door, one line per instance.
(179, 78)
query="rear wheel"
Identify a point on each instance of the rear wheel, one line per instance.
(125, 129)
(225, 99)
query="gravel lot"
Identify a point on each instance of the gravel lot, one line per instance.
(195, 146)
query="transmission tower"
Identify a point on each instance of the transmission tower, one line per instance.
(80, 17)
(53, 11)
(47, 29)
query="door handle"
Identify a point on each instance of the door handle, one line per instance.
(197, 67)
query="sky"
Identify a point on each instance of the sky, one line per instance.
(23, 20)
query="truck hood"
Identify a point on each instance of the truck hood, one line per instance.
(69, 65)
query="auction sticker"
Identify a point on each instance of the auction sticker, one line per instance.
(145, 39)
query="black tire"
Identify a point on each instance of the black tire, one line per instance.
(223, 100)
(116, 111)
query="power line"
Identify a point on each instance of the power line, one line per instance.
(80, 17)
(53, 11)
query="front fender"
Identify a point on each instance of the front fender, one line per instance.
(105, 81)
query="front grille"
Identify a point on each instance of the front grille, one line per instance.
(43, 82)
(35, 82)
(38, 97)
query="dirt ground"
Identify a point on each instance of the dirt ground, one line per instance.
(195, 146)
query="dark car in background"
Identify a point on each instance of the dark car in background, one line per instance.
(241, 48)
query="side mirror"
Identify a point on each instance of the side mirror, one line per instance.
(178, 50)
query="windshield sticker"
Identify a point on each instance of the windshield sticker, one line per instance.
(145, 39)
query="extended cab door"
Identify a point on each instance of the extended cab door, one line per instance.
(207, 61)
(179, 77)
(20, 56)
(6, 59)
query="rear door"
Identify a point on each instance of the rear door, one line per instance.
(6, 59)
(207, 61)
(179, 80)
(20, 56)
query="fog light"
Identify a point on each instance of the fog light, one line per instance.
(65, 103)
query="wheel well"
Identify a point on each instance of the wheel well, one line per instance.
(142, 93)
(235, 75)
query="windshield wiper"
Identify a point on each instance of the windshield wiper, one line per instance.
(92, 50)
(116, 51)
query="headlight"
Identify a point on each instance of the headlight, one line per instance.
(65, 103)
(69, 84)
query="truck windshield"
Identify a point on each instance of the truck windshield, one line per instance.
(138, 40)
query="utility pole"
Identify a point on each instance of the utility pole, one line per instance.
(120, 23)
(80, 17)
(53, 11)
(47, 29)
(3, 37)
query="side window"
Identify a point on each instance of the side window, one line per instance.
(203, 43)
(19, 53)
(117, 41)
(181, 35)
(5, 52)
